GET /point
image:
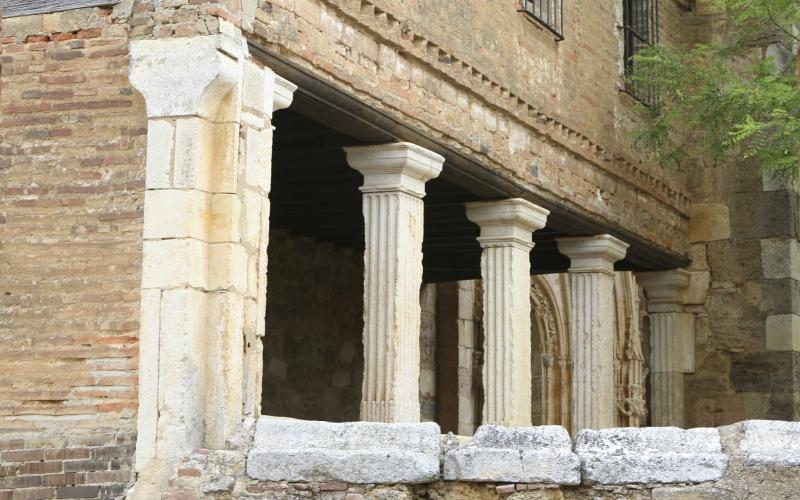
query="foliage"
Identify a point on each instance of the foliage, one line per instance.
(730, 96)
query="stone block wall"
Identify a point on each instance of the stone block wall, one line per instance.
(313, 353)
(745, 293)
(72, 139)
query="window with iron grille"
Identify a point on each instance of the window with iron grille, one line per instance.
(548, 13)
(640, 28)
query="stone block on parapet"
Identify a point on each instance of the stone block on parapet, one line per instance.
(354, 452)
(515, 455)
(771, 443)
(650, 455)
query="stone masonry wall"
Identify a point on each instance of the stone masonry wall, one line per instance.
(72, 138)
(745, 292)
(313, 354)
(744, 233)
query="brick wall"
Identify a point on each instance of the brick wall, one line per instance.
(34, 468)
(72, 138)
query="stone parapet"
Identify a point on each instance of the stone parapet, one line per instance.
(357, 461)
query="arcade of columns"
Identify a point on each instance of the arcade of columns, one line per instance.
(604, 330)
(206, 231)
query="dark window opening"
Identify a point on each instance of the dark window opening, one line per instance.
(548, 13)
(640, 28)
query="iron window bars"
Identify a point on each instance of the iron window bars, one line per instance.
(548, 13)
(640, 29)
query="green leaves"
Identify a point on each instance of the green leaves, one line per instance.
(728, 98)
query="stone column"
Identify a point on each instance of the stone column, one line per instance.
(394, 185)
(592, 292)
(506, 238)
(671, 344)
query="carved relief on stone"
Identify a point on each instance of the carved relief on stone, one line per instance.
(629, 367)
(551, 362)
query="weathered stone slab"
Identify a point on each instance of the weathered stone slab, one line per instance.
(354, 452)
(650, 455)
(516, 455)
(771, 443)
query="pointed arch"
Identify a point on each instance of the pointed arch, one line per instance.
(629, 366)
(550, 351)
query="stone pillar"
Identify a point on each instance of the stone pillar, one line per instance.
(592, 295)
(205, 210)
(671, 344)
(256, 164)
(468, 302)
(394, 185)
(506, 238)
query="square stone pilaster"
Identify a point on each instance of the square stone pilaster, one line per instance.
(207, 180)
(506, 240)
(394, 185)
(592, 261)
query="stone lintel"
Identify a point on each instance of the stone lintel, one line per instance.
(592, 253)
(399, 166)
(506, 221)
(664, 289)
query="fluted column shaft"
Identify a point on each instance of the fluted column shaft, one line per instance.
(592, 327)
(593, 345)
(671, 344)
(394, 185)
(506, 240)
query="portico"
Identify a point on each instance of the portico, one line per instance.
(373, 220)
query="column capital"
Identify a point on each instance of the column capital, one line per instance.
(399, 166)
(283, 93)
(592, 253)
(664, 289)
(504, 222)
(186, 76)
